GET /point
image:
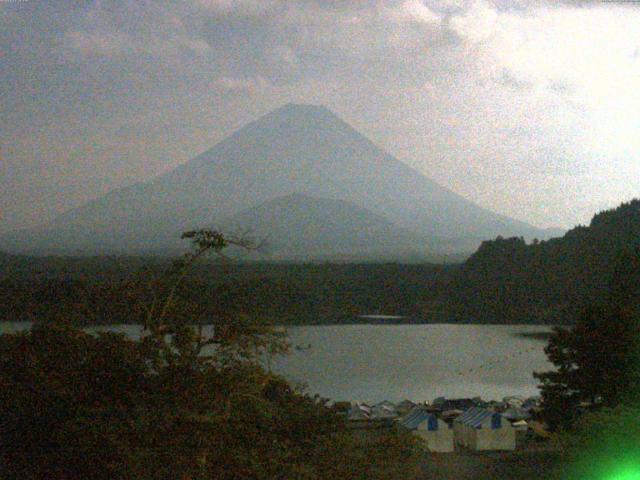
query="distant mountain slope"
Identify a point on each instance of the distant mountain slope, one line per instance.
(300, 225)
(294, 149)
(508, 281)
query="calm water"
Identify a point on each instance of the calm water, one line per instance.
(418, 362)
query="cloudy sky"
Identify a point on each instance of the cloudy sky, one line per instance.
(529, 108)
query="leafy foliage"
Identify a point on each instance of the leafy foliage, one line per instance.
(598, 360)
(181, 402)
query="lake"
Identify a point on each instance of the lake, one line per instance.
(394, 362)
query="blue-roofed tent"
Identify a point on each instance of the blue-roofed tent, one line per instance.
(482, 429)
(415, 417)
(435, 432)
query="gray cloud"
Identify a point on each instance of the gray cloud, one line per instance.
(481, 96)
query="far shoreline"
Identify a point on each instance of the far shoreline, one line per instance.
(538, 335)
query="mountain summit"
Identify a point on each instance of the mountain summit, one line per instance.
(295, 149)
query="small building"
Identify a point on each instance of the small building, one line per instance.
(405, 407)
(450, 415)
(513, 401)
(444, 404)
(383, 411)
(539, 429)
(435, 432)
(531, 402)
(513, 414)
(496, 406)
(480, 429)
(342, 407)
(359, 413)
(520, 426)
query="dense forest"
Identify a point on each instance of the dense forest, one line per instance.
(508, 281)
(101, 289)
(505, 281)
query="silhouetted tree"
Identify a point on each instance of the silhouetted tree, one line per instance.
(598, 360)
(182, 402)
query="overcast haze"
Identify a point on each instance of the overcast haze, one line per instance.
(529, 109)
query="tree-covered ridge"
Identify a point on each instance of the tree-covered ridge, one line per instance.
(100, 290)
(505, 281)
(509, 280)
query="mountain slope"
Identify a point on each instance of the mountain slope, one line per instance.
(296, 148)
(297, 226)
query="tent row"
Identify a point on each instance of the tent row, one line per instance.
(476, 429)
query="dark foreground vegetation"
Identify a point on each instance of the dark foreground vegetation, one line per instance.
(517, 465)
(75, 406)
(505, 281)
(180, 404)
(174, 405)
(591, 399)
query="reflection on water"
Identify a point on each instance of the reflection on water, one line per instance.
(394, 362)
(419, 362)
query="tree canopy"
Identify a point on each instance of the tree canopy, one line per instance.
(181, 402)
(598, 360)
(509, 281)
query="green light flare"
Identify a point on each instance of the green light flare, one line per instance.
(631, 472)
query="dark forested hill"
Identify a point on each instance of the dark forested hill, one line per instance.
(510, 281)
(106, 290)
(505, 281)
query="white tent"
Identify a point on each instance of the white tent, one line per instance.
(436, 433)
(386, 404)
(481, 429)
(358, 412)
(514, 401)
(520, 425)
(514, 414)
(381, 412)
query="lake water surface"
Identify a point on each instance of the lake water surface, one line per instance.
(394, 362)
